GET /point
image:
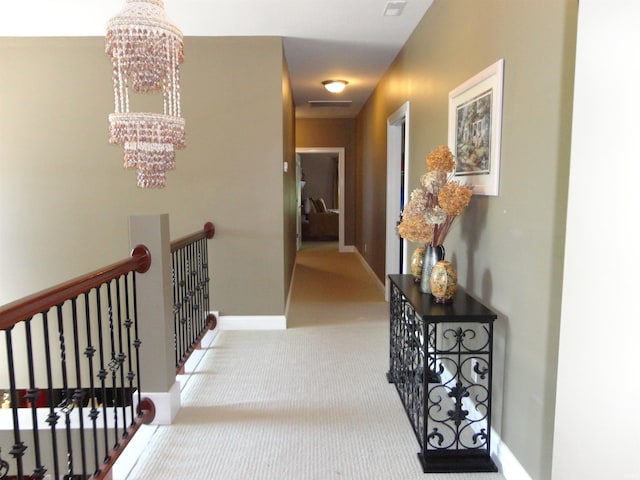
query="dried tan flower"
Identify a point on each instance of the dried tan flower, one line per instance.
(440, 160)
(453, 198)
(431, 210)
(415, 229)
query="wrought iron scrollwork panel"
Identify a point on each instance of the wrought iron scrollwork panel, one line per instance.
(459, 406)
(407, 359)
(467, 338)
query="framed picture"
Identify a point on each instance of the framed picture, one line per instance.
(475, 126)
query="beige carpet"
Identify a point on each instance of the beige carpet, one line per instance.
(308, 403)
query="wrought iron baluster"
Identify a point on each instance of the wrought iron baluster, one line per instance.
(66, 405)
(199, 288)
(197, 324)
(192, 297)
(18, 448)
(176, 305)
(113, 367)
(128, 324)
(102, 373)
(177, 308)
(90, 352)
(183, 302)
(79, 394)
(32, 396)
(137, 343)
(186, 312)
(198, 280)
(205, 273)
(53, 417)
(204, 301)
(179, 302)
(121, 359)
(186, 302)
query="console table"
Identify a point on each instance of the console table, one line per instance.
(440, 361)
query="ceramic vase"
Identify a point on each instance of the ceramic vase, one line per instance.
(443, 282)
(432, 255)
(417, 258)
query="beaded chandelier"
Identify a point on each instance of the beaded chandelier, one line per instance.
(146, 50)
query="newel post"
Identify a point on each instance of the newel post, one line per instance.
(155, 316)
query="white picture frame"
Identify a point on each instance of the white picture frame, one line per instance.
(475, 129)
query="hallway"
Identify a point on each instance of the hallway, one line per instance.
(307, 403)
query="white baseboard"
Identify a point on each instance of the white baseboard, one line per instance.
(252, 322)
(286, 307)
(506, 461)
(167, 404)
(210, 337)
(370, 271)
(347, 249)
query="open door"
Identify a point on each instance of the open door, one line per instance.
(339, 151)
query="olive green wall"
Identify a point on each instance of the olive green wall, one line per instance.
(508, 249)
(337, 132)
(66, 198)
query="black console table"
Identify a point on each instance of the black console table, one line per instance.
(440, 361)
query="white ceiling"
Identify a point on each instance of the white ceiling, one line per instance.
(323, 39)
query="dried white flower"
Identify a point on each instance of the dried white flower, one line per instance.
(435, 215)
(433, 181)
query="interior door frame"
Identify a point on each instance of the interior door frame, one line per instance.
(298, 173)
(394, 162)
(340, 152)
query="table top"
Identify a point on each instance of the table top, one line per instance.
(464, 308)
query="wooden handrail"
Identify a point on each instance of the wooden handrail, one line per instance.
(208, 232)
(27, 307)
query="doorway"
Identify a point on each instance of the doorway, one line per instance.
(337, 200)
(397, 188)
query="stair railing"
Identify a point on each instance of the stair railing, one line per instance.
(190, 281)
(73, 372)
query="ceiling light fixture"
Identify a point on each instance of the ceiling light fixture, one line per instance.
(394, 9)
(146, 50)
(335, 86)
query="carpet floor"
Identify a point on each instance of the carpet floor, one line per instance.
(307, 403)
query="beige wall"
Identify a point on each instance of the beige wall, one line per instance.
(339, 132)
(596, 427)
(508, 249)
(66, 198)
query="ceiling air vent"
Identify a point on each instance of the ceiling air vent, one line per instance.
(394, 9)
(330, 103)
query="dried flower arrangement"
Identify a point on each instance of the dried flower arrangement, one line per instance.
(434, 206)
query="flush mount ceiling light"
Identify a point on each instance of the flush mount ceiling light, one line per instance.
(335, 86)
(146, 49)
(394, 9)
